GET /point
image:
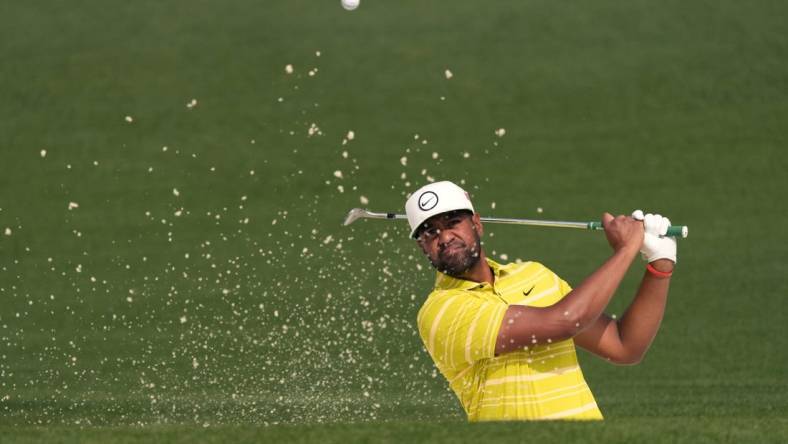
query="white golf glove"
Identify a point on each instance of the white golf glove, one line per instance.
(655, 244)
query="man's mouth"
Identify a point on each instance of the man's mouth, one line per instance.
(451, 249)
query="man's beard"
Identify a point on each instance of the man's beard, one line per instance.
(458, 259)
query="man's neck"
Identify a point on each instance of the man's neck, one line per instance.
(480, 272)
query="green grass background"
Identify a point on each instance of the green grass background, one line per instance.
(239, 309)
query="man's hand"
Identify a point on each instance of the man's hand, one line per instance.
(655, 244)
(623, 232)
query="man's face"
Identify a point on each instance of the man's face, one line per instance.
(452, 241)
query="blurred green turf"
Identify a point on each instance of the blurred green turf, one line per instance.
(637, 429)
(209, 282)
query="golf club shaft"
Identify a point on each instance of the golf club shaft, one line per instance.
(673, 230)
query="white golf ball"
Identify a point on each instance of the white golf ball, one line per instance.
(350, 4)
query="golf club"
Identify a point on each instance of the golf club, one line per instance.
(360, 213)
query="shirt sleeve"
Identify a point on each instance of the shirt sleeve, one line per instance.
(459, 328)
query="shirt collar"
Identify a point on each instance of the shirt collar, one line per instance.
(446, 282)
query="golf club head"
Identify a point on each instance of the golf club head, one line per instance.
(355, 214)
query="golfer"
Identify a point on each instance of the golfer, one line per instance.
(504, 335)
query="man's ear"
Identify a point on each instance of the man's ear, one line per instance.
(477, 224)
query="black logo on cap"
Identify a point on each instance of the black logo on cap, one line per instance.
(428, 200)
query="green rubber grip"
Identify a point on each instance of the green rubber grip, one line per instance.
(673, 230)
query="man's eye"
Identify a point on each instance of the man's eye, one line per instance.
(430, 233)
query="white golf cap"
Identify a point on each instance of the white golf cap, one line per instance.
(435, 198)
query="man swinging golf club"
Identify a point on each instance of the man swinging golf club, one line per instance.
(504, 335)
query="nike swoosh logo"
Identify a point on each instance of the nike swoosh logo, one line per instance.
(526, 293)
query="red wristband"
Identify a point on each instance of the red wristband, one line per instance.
(657, 273)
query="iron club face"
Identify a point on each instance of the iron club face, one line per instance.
(354, 215)
(360, 213)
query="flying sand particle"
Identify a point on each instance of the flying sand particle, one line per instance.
(313, 129)
(73, 205)
(448, 74)
(500, 132)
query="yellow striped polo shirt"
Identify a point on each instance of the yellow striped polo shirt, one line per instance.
(459, 324)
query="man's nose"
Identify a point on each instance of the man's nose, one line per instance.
(445, 236)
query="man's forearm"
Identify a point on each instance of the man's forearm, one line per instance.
(642, 319)
(588, 300)
(523, 325)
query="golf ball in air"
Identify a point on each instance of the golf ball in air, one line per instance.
(350, 4)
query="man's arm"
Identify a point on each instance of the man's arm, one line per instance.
(626, 341)
(525, 326)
